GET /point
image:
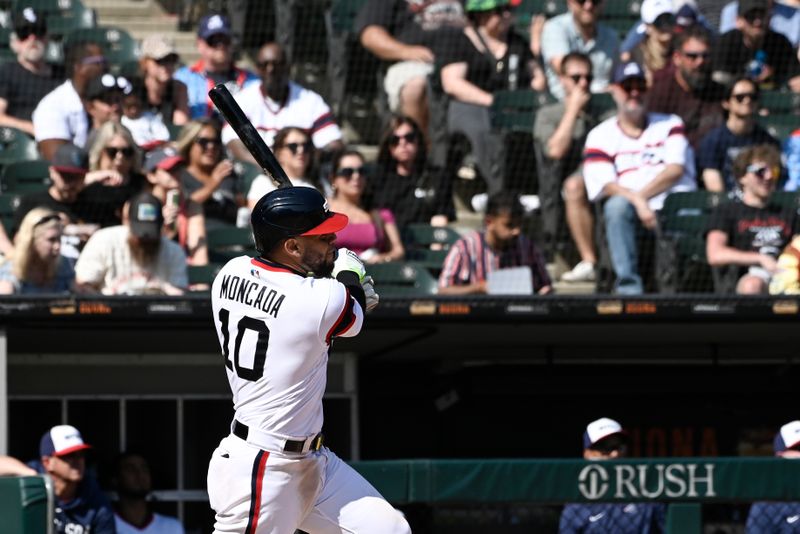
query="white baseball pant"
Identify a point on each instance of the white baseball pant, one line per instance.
(258, 492)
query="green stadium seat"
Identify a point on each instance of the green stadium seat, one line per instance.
(780, 125)
(25, 177)
(8, 207)
(174, 131)
(785, 199)
(227, 242)
(76, 17)
(402, 279)
(131, 69)
(202, 274)
(16, 145)
(118, 45)
(342, 14)
(26, 504)
(681, 245)
(515, 111)
(418, 238)
(46, 6)
(780, 102)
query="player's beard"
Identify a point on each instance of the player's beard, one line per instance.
(318, 264)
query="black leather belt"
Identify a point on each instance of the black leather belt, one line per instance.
(240, 430)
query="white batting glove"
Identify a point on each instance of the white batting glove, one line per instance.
(369, 291)
(347, 260)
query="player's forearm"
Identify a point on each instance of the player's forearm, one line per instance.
(724, 255)
(19, 124)
(559, 143)
(12, 467)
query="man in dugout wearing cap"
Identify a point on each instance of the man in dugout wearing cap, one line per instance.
(605, 439)
(81, 506)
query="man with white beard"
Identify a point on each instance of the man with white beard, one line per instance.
(23, 83)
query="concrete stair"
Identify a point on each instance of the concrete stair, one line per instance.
(143, 17)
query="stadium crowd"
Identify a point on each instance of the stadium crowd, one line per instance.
(145, 179)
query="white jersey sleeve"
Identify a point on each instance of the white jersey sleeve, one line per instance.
(676, 145)
(598, 161)
(343, 315)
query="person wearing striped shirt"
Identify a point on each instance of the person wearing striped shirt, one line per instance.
(500, 245)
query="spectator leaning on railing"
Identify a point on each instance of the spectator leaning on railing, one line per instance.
(745, 238)
(24, 82)
(778, 517)
(631, 163)
(61, 116)
(605, 439)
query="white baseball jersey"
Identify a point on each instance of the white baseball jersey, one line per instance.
(275, 327)
(159, 524)
(303, 108)
(612, 156)
(61, 115)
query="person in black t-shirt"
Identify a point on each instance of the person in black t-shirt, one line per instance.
(24, 82)
(413, 35)
(85, 208)
(485, 58)
(748, 235)
(756, 51)
(405, 183)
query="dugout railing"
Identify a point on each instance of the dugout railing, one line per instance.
(684, 485)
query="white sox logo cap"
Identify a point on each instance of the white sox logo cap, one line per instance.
(788, 437)
(62, 440)
(600, 429)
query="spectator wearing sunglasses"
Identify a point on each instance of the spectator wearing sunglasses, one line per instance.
(744, 238)
(208, 177)
(61, 116)
(686, 89)
(36, 266)
(215, 66)
(371, 233)
(24, 82)
(720, 146)
(115, 161)
(631, 162)
(559, 134)
(278, 102)
(605, 439)
(147, 128)
(405, 182)
(773, 517)
(487, 57)
(165, 96)
(753, 49)
(784, 18)
(578, 30)
(294, 150)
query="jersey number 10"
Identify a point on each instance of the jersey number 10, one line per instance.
(260, 355)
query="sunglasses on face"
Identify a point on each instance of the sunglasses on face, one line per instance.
(694, 56)
(218, 40)
(207, 142)
(274, 63)
(578, 77)
(24, 33)
(760, 170)
(592, 2)
(410, 137)
(167, 61)
(607, 446)
(630, 86)
(741, 97)
(94, 60)
(755, 15)
(349, 172)
(112, 151)
(294, 148)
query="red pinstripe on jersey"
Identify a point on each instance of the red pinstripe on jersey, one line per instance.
(346, 319)
(259, 466)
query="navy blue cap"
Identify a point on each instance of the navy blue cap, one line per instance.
(787, 437)
(213, 24)
(624, 71)
(61, 440)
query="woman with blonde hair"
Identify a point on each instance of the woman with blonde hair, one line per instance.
(208, 177)
(114, 159)
(36, 265)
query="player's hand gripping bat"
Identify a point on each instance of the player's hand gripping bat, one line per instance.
(230, 109)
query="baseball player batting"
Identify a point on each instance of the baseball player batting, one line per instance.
(276, 317)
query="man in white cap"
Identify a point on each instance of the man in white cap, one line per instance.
(771, 517)
(605, 439)
(80, 505)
